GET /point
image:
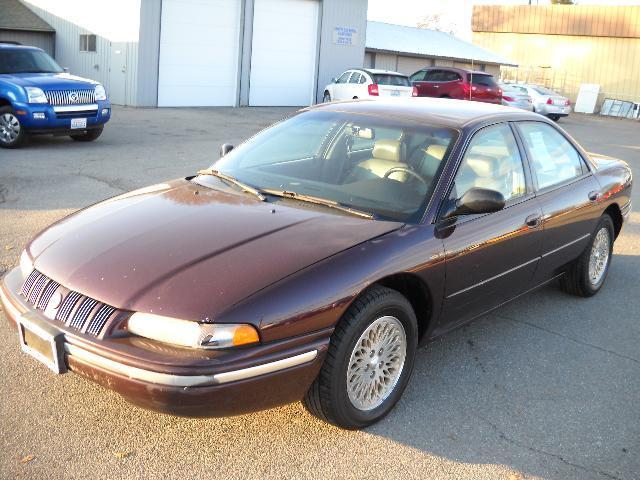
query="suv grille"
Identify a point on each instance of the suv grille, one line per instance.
(75, 310)
(70, 97)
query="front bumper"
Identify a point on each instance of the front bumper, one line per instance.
(226, 384)
(58, 118)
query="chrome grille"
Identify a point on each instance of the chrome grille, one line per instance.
(70, 97)
(76, 310)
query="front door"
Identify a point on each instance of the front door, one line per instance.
(118, 74)
(490, 258)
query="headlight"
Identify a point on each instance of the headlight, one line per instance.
(191, 334)
(100, 93)
(26, 265)
(35, 95)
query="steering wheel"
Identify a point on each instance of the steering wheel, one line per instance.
(406, 170)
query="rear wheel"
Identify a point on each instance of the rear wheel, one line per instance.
(90, 136)
(587, 274)
(369, 361)
(12, 133)
(555, 118)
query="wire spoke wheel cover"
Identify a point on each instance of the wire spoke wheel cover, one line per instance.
(599, 259)
(376, 363)
(9, 127)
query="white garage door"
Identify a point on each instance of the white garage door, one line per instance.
(199, 48)
(283, 52)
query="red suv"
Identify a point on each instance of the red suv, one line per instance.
(445, 82)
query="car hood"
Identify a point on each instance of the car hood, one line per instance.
(49, 81)
(188, 251)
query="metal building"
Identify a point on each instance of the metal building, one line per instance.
(20, 25)
(409, 49)
(208, 52)
(564, 46)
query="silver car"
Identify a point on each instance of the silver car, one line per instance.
(516, 96)
(548, 103)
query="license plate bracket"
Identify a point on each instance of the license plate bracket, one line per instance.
(42, 342)
(78, 123)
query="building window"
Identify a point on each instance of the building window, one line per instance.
(87, 43)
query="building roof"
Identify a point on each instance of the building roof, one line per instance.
(15, 16)
(426, 43)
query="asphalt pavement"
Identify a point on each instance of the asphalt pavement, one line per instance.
(546, 387)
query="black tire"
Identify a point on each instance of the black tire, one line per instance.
(90, 136)
(328, 398)
(576, 280)
(555, 118)
(326, 98)
(8, 119)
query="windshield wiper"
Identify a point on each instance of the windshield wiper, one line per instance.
(235, 181)
(318, 201)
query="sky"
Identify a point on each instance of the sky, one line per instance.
(456, 13)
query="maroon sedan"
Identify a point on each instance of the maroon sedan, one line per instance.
(449, 82)
(311, 261)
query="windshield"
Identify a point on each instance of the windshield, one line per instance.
(384, 167)
(27, 61)
(395, 80)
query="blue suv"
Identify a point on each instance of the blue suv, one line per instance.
(38, 97)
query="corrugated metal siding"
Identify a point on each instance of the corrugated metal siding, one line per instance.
(574, 20)
(565, 62)
(87, 20)
(43, 40)
(386, 61)
(410, 65)
(334, 58)
(148, 53)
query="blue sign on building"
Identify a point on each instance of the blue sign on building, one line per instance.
(345, 36)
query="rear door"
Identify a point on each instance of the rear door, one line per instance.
(353, 85)
(568, 193)
(484, 88)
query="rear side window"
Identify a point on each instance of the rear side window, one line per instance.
(553, 159)
(482, 80)
(394, 80)
(355, 78)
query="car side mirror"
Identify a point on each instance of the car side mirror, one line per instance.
(474, 201)
(225, 148)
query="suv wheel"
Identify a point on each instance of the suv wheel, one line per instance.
(369, 361)
(12, 134)
(90, 136)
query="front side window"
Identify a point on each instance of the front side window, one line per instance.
(433, 76)
(365, 162)
(492, 161)
(553, 159)
(418, 76)
(27, 61)
(344, 77)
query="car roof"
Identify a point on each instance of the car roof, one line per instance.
(456, 69)
(435, 111)
(378, 71)
(11, 46)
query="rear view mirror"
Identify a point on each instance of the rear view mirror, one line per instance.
(476, 200)
(225, 148)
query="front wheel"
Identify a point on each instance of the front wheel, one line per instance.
(12, 133)
(369, 361)
(90, 136)
(587, 274)
(326, 98)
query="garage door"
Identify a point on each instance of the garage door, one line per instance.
(283, 52)
(199, 48)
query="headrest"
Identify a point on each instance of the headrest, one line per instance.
(436, 151)
(388, 150)
(482, 165)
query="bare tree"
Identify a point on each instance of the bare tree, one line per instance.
(436, 21)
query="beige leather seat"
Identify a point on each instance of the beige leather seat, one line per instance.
(431, 160)
(479, 171)
(387, 154)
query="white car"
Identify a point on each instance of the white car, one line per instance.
(368, 83)
(548, 103)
